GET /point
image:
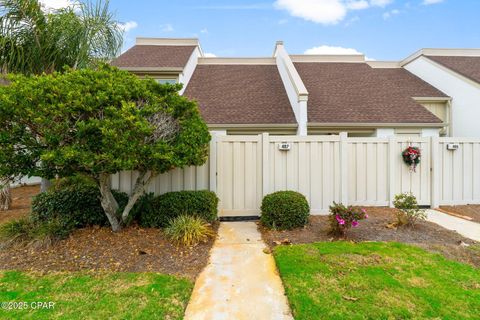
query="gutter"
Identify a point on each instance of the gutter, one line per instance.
(373, 125)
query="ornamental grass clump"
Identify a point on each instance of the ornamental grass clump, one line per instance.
(343, 218)
(408, 212)
(188, 230)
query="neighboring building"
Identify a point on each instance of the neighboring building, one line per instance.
(457, 73)
(297, 94)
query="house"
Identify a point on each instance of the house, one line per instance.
(297, 94)
(457, 73)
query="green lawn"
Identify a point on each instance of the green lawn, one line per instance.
(95, 295)
(343, 280)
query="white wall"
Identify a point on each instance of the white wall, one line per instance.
(384, 132)
(465, 95)
(189, 68)
(27, 181)
(357, 171)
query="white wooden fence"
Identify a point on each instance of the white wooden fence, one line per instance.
(359, 171)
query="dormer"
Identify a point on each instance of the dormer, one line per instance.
(166, 60)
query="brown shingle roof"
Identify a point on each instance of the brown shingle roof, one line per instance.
(240, 94)
(410, 83)
(154, 56)
(357, 93)
(466, 66)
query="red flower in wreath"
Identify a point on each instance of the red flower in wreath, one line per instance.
(411, 156)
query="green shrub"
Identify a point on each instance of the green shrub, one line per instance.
(76, 205)
(27, 231)
(408, 212)
(73, 182)
(168, 206)
(285, 210)
(343, 218)
(16, 231)
(188, 230)
(143, 206)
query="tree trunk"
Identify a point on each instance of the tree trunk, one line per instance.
(5, 195)
(109, 204)
(45, 184)
(141, 183)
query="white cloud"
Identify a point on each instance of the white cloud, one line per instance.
(282, 21)
(333, 50)
(320, 11)
(380, 3)
(167, 27)
(357, 5)
(326, 11)
(352, 21)
(209, 55)
(56, 4)
(428, 2)
(127, 26)
(389, 14)
(204, 30)
(255, 6)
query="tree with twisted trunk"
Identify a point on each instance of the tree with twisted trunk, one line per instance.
(97, 123)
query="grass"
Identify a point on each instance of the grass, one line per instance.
(81, 295)
(343, 280)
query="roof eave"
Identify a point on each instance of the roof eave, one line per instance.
(152, 69)
(375, 124)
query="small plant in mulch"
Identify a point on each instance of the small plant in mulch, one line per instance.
(188, 230)
(343, 218)
(27, 231)
(408, 213)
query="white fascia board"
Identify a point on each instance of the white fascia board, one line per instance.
(295, 88)
(441, 52)
(189, 69)
(235, 61)
(355, 58)
(143, 41)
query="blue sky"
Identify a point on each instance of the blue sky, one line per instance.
(381, 29)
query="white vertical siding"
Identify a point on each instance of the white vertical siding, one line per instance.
(459, 171)
(249, 167)
(368, 171)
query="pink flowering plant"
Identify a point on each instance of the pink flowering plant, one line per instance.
(343, 218)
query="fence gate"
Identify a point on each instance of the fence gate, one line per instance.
(239, 175)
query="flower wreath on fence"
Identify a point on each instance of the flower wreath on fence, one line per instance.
(411, 156)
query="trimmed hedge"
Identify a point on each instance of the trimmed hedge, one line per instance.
(77, 206)
(168, 206)
(284, 210)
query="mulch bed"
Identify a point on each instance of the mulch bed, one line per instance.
(425, 234)
(133, 249)
(471, 210)
(21, 199)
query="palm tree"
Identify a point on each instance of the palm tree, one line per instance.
(36, 40)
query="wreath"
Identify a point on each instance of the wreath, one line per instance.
(411, 156)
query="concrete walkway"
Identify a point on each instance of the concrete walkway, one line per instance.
(464, 227)
(240, 281)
